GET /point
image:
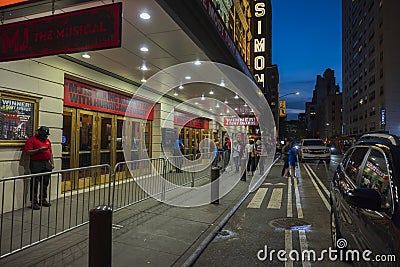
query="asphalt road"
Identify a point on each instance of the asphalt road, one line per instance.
(284, 219)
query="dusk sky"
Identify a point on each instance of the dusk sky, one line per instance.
(306, 40)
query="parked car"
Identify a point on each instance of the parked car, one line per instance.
(365, 209)
(314, 149)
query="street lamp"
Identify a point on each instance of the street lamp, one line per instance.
(292, 93)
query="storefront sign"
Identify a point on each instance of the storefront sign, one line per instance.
(192, 121)
(85, 96)
(282, 108)
(82, 30)
(383, 116)
(235, 121)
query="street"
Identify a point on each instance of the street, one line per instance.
(292, 215)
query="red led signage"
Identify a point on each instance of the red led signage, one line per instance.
(191, 121)
(82, 30)
(85, 96)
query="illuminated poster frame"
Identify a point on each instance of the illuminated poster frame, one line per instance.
(18, 118)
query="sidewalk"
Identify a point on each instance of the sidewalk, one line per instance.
(149, 233)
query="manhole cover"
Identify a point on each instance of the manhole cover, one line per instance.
(290, 224)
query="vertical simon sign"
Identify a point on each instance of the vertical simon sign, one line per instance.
(259, 32)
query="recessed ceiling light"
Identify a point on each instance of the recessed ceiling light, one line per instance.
(144, 49)
(236, 108)
(211, 92)
(143, 80)
(220, 114)
(217, 106)
(180, 86)
(143, 67)
(236, 96)
(226, 101)
(175, 94)
(210, 109)
(227, 111)
(245, 104)
(222, 83)
(86, 55)
(188, 77)
(202, 97)
(145, 15)
(197, 62)
(196, 103)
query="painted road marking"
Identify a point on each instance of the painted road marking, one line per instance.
(289, 197)
(276, 199)
(298, 203)
(318, 190)
(258, 198)
(266, 184)
(318, 180)
(304, 247)
(288, 247)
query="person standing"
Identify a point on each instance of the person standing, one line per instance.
(38, 147)
(250, 152)
(292, 161)
(236, 154)
(285, 156)
(178, 154)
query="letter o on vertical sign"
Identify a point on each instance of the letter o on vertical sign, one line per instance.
(259, 62)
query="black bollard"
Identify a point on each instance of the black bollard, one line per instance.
(214, 185)
(243, 163)
(100, 236)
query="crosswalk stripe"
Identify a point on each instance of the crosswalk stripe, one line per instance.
(289, 203)
(256, 201)
(288, 247)
(273, 184)
(276, 199)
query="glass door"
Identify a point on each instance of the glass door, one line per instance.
(68, 157)
(87, 144)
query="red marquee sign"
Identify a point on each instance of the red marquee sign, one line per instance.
(85, 96)
(82, 30)
(187, 120)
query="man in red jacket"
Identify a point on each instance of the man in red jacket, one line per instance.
(38, 147)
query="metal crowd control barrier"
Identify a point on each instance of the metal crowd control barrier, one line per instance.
(22, 227)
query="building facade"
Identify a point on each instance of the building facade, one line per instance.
(83, 101)
(371, 64)
(324, 112)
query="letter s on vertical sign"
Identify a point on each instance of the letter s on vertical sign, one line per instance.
(259, 10)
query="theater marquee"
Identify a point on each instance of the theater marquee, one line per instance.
(82, 30)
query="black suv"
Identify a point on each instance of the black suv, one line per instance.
(365, 211)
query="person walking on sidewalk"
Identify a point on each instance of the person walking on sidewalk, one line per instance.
(38, 147)
(291, 161)
(285, 157)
